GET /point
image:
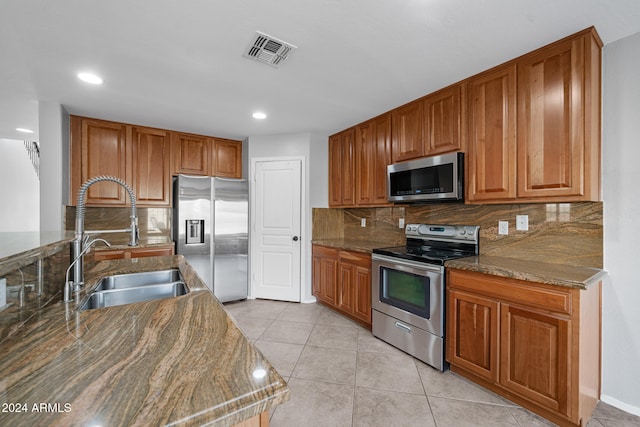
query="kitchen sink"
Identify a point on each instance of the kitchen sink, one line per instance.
(134, 280)
(140, 293)
(121, 289)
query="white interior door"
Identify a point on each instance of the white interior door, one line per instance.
(276, 242)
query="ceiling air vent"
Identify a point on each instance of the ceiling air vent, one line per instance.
(269, 50)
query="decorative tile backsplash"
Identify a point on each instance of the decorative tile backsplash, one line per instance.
(564, 233)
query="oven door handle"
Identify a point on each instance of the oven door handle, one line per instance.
(403, 327)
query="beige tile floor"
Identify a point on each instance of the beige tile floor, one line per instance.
(340, 375)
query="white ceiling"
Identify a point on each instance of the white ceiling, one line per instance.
(180, 65)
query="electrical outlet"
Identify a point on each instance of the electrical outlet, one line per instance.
(401, 223)
(503, 227)
(522, 222)
(363, 222)
(3, 293)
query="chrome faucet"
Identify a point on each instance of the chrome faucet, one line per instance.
(80, 243)
(72, 287)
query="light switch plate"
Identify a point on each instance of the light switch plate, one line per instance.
(503, 227)
(401, 223)
(363, 222)
(522, 222)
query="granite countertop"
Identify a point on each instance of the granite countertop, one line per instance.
(179, 361)
(353, 244)
(533, 271)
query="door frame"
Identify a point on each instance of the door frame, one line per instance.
(305, 232)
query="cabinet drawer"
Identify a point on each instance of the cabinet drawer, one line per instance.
(361, 259)
(325, 251)
(545, 297)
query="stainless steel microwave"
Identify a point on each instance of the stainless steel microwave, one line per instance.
(430, 179)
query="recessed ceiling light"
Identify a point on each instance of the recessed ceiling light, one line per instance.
(260, 116)
(90, 78)
(23, 130)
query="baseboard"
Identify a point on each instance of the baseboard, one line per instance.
(620, 405)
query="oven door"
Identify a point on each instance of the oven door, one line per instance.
(409, 291)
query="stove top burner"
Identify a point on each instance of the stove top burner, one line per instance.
(438, 256)
(435, 244)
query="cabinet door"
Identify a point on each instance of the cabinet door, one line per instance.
(329, 280)
(373, 154)
(408, 131)
(551, 111)
(102, 151)
(191, 154)
(346, 290)
(335, 166)
(365, 159)
(341, 169)
(151, 161)
(472, 333)
(382, 158)
(325, 273)
(492, 135)
(227, 158)
(535, 356)
(443, 119)
(362, 288)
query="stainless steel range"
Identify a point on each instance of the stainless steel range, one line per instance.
(408, 288)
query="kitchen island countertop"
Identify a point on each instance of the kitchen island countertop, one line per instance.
(176, 361)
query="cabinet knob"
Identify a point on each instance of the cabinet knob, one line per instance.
(295, 238)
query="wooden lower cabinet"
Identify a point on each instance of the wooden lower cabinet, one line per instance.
(342, 280)
(536, 344)
(473, 339)
(260, 420)
(108, 254)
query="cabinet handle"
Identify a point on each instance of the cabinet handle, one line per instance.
(403, 327)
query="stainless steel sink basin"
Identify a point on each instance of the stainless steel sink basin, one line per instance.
(140, 293)
(134, 280)
(130, 288)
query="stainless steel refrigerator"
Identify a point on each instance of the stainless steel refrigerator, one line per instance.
(210, 228)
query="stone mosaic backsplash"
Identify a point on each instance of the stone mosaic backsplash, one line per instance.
(562, 233)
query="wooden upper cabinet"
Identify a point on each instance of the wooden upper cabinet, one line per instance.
(98, 148)
(408, 131)
(491, 159)
(373, 154)
(444, 116)
(191, 154)
(558, 120)
(341, 169)
(226, 158)
(151, 151)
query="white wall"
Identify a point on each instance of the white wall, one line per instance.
(307, 146)
(20, 203)
(621, 175)
(53, 124)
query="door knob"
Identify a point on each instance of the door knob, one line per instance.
(295, 238)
